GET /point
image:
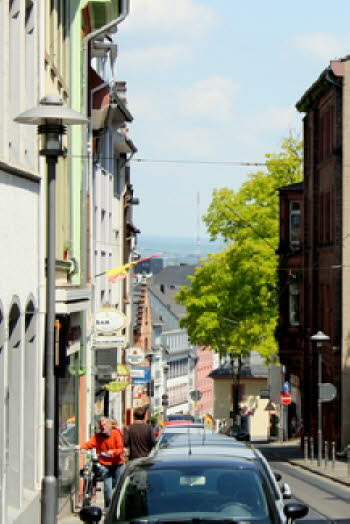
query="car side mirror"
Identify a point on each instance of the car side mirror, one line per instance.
(90, 514)
(286, 491)
(278, 476)
(295, 510)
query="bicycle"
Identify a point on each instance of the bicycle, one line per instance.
(90, 475)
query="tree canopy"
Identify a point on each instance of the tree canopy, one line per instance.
(231, 304)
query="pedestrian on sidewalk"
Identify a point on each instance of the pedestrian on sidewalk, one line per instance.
(109, 446)
(139, 437)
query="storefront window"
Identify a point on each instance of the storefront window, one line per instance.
(66, 432)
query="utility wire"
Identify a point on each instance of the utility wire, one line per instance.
(183, 161)
(200, 162)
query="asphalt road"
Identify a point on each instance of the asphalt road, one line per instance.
(329, 502)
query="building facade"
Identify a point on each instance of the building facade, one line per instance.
(290, 332)
(207, 360)
(173, 366)
(318, 275)
(251, 380)
(22, 304)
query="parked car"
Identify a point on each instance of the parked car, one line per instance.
(178, 436)
(179, 418)
(195, 488)
(236, 449)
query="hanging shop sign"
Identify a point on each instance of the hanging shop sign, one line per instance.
(108, 341)
(122, 380)
(141, 375)
(135, 356)
(109, 321)
(116, 386)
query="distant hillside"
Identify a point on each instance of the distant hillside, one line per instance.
(177, 250)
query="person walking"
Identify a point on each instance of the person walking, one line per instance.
(109, 446)
(139, 437)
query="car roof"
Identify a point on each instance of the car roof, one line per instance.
(209, 451)
(181, 438)
(180, 416)
(182, 428)
(160, 461)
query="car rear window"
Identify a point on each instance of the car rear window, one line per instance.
(192, 491)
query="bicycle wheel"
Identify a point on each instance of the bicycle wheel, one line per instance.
(87, 491)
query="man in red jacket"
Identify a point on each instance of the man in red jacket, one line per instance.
(109, 447)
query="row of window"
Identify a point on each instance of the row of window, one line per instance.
(326, 139)
(178, 394)
(325, 230)
(178, 368)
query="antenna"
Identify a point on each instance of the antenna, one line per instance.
(189, 441)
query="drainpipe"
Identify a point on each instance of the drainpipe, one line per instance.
(87, 142)
(95, 34)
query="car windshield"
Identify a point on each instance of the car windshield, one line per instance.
(191, 492)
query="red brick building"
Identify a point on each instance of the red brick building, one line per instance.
(203, 382)
(314, 251)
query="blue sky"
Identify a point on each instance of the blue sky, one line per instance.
(216, 81)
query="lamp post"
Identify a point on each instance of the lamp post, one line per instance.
(149, 357)
(319, 338)
(166, 401)
(51, 117)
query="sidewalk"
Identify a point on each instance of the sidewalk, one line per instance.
(290, 451)
(73, 518)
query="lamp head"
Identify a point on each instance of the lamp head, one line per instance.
(319, 337)
(51, 117)
(149, 357)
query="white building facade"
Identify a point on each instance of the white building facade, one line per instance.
(21, 266)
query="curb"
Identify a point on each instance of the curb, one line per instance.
(320, 473)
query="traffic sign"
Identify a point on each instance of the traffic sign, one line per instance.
(196, 395)
(286, 399)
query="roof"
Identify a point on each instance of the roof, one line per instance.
(166, 295)
(297, 186)
(251, 371)
(329, 76)
(166, 284)
(174, 275)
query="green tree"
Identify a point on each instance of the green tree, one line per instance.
(231, 304)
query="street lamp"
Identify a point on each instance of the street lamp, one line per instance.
(51, 117)
(319, 338)
(165, 397)
(150, 389)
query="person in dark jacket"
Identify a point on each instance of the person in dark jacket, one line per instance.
(139, 437)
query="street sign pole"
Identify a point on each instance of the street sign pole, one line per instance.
(281, 425)
(319, 408)
(319, 338)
